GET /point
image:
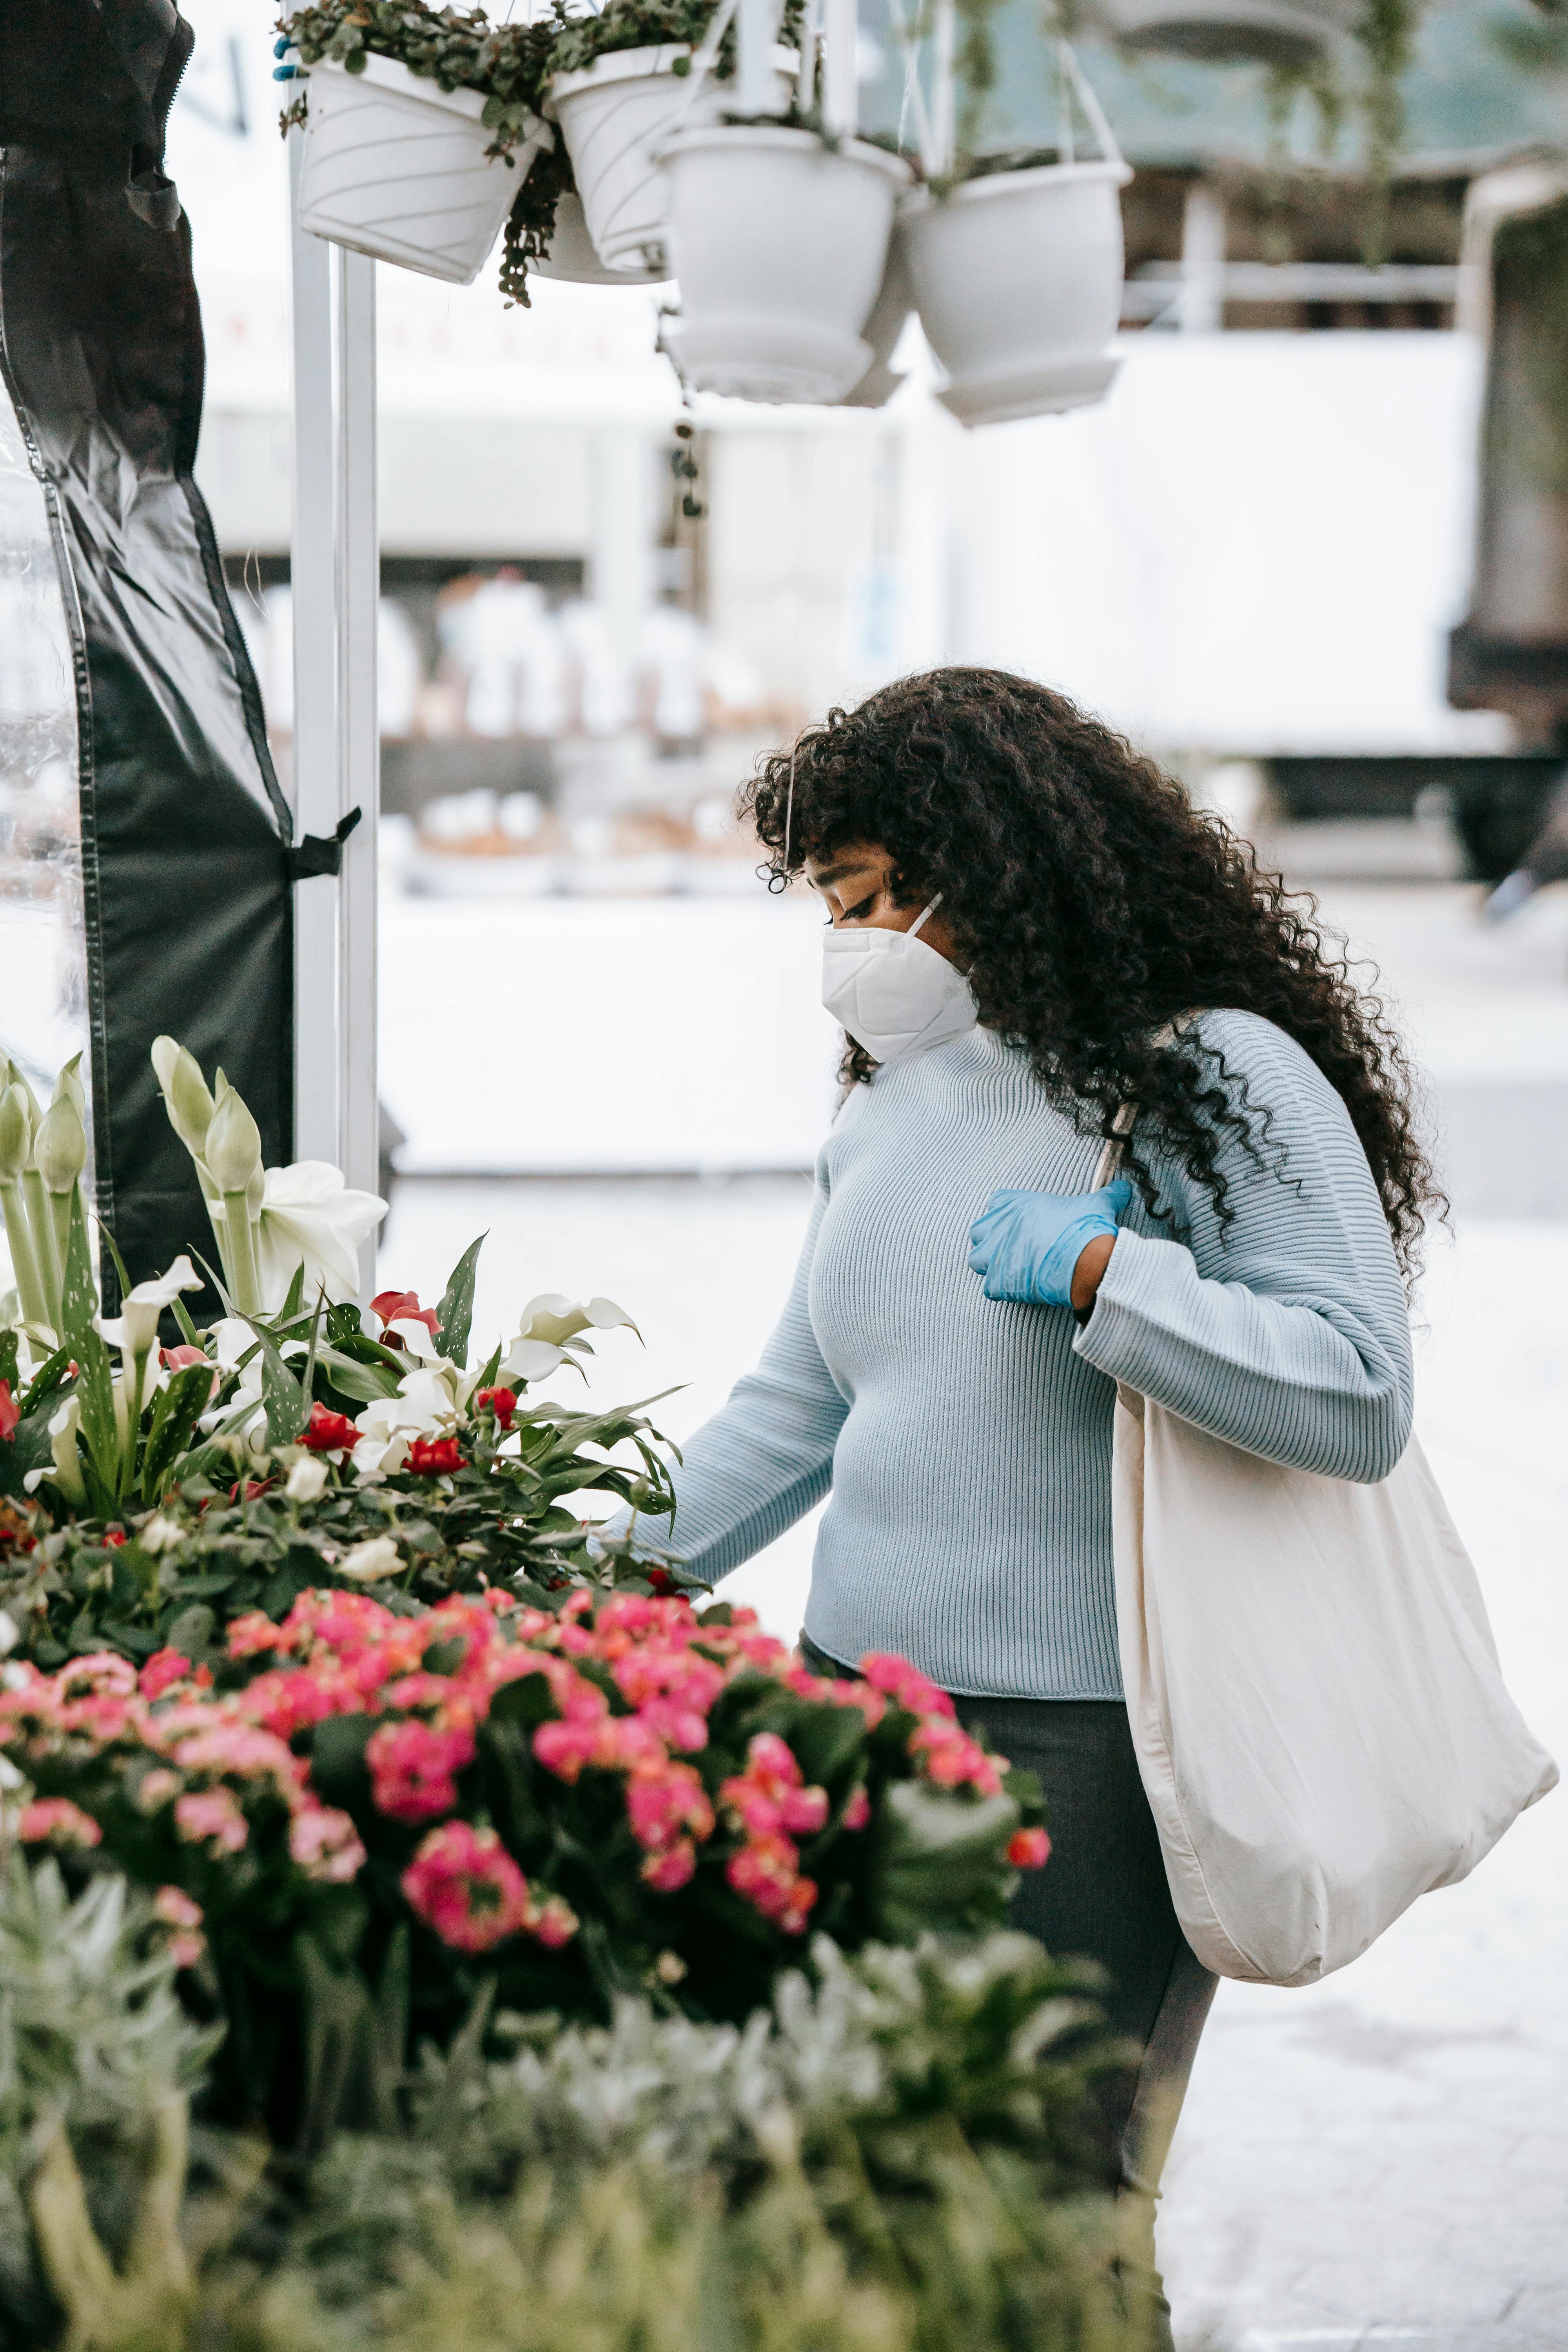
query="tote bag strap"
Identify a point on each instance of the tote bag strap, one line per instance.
(1126, 1118)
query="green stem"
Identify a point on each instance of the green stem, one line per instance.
(219, 1223)
(43, 1228)
(133, 1419)
(60, 1235)
(242, 1249)
(24, 1256)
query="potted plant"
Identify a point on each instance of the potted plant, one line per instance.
(779, 231)
(418, 127)
(620, 83)
(1016, 260)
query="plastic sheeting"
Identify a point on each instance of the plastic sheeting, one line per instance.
(184, 862)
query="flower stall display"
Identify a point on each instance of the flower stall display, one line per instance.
(419, 128)
(620, 1794)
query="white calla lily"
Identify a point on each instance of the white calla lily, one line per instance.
(551, 1324)
(310, 1217)
(66, 1472)
(134, 1329)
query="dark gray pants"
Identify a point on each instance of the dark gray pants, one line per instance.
(1103, 1895)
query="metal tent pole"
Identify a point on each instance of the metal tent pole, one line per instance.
(334, 571)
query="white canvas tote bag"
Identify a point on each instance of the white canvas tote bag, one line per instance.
(1314, 1691)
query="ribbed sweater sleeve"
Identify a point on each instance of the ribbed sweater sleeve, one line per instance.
(1285, 1331)
(766, 1458)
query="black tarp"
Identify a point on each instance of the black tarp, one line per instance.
(184, 831)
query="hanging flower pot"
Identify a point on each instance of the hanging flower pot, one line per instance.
(1018, 277)
(889, 316)
(614, 114)
(397, 167)
(779, 243)
(571, 256)
(1230, 32)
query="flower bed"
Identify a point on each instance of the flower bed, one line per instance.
(560, 1806)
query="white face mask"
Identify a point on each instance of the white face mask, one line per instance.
(892, 991)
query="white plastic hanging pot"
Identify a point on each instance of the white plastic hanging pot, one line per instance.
(614, 114)
(1018, 277)
(779, 245)
(1229, 32)
(571, 256)
(889, 316)
(395, 166)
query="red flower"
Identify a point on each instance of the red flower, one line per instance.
(431, 1456)
(9, 1415)
(328, 1433)
(253, 1487)
(1028, 1849)
(502, 1403)
(412, 1767)
(113, 1538)
(662, 1581)
(402, 1307)
(49, 1821)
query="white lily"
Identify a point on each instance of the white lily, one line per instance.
(309, 1217)
(307, 1480)
(67, 1472)
(134, 1329)
(549, 1334)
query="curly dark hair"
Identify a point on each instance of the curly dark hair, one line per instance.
(1089, 905)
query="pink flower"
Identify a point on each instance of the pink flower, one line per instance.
(857, 1812)
(402, 1307)
(175, 1908)
(55, 1820)
(10, 1412)
(105, 1673)
(163, 1669)
(672, 1868)
(952, 1760)
(463, 1883)
(904, 1683)
(768, 1798)
(765, 1872)
(413, 1767)
(325, 1843)
(672, 1689)
(250, 1636)
(663, 1801)
(211, 1816)
(553, 1921)
(156, 1788)
(1028, 1849)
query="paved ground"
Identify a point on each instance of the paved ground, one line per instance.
(1381, 2161)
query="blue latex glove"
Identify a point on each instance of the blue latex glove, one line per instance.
(281, 47)
(1027, 1244)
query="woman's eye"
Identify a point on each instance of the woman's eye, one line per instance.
(866, 906)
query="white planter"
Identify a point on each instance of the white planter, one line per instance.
(613, 115)
(395, 167)
(779, 245)
(571, 256)
(889, 316)
(1017, 278)
(1229, 32)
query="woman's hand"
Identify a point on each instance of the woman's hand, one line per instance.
(1048, 1249)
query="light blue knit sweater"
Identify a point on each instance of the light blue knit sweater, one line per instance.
(967, 1443)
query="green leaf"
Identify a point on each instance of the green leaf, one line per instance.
(175, 1413)
(295, 1293)
(188, 1328)
(365, 1382)
(455, 1312)
(8, 1360)
(118, 1263)
(78, 1294)
(284, 1401)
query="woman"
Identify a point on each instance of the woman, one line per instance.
(1030, 927)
